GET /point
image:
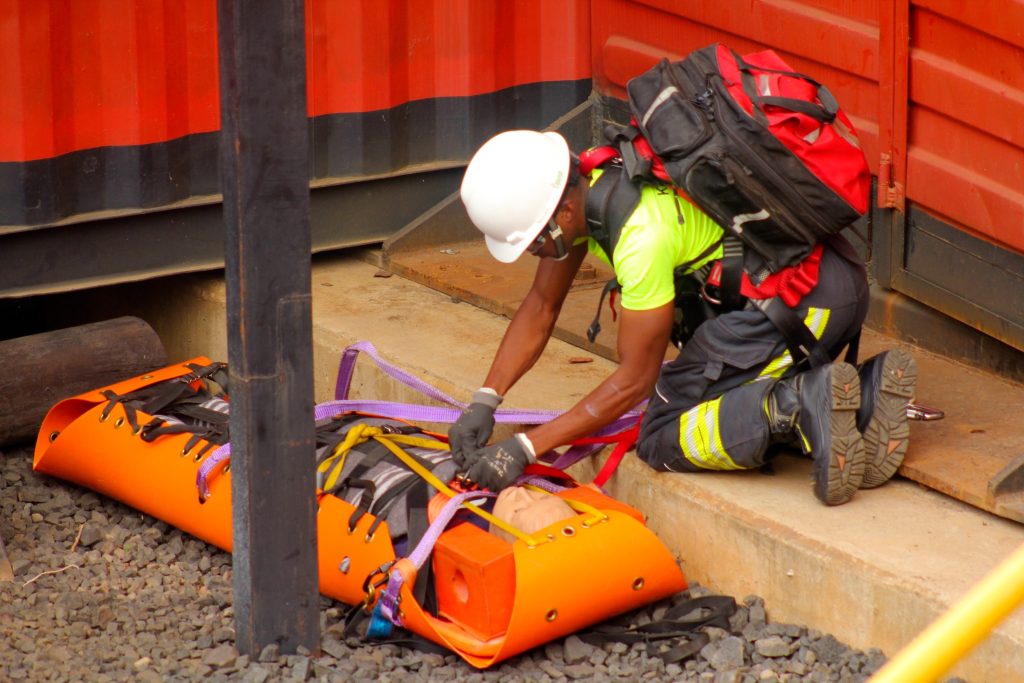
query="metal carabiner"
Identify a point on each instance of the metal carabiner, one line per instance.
(371, 586)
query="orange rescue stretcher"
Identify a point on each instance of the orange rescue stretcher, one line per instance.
(495, 599)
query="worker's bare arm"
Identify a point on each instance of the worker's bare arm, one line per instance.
(643, 339)
(531, 326)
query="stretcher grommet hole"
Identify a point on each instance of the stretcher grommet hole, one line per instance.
(346, 563)
(568, 531)
(551, 537)
(137, 430)
(367, 538)
(103, 418)
(551, 615)
(185, 451)
(146, 377)
(198, 457)
(638, 583)
(227, 468)
(118, 422)
(53, 436)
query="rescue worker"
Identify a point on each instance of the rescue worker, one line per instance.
(731, 395)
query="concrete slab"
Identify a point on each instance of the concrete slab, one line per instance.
(874, 572)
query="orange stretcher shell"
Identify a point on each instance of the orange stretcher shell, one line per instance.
(583, 572)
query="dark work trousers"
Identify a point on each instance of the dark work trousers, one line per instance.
(708, 408)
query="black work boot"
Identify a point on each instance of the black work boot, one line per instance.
(820, 407)
(887, 384)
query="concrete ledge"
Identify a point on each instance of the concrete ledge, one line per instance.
(873, 572)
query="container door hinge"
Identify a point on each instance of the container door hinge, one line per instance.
(891, 195)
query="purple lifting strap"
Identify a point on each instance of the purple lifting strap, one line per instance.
(419, 413)
(390, 598)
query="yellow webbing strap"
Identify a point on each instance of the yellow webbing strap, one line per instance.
(361, 432)
(431, 479)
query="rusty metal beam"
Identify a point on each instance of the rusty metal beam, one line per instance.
(264, 176)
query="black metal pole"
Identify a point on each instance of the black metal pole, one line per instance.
(265, 180)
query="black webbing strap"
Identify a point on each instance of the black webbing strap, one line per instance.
(329, 431)
(356, 615)
(595, 325)
(802, 344)
(824, 113)
(729, 296)
(418, 524)
(610, 201)
(362, 507)
(679, 622)
(852, 349)
(729, 283)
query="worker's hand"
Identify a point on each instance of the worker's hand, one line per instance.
(473, 429)
(497, 466)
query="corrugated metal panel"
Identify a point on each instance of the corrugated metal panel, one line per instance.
(966, 115)
(935, 89)
(80, 75)
(114, 105)
(835, 41)
(957, 147)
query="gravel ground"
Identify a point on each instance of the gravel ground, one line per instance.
(104, 593)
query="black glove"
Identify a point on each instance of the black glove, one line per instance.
(497, 466)
(471, 431)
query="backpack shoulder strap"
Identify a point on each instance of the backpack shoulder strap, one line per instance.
(610, 201)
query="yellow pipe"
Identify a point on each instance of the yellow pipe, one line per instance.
(962, 627)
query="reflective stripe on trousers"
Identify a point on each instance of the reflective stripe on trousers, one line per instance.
(700, 438)
(816, 320)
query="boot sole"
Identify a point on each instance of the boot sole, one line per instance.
(887, 433)
(845, 471)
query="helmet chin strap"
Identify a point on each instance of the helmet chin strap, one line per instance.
(555, 233)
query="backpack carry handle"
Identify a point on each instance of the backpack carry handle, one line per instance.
(823, 113)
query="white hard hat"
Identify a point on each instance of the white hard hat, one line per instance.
(512, 187)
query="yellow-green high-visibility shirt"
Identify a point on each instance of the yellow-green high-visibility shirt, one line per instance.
(653, 243)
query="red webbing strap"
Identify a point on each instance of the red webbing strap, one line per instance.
(596, 158)
(789, 284)
(541, 470)
(623, 441)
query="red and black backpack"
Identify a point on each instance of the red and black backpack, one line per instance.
(763, 150)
